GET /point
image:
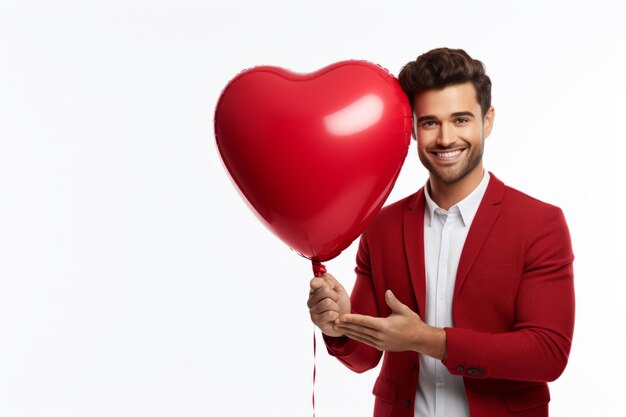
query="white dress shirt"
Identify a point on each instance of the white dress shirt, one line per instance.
(439, 393)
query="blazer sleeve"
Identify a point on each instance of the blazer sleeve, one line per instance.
(358, 356)
(538, 346)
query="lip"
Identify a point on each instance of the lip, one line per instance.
(456, 155)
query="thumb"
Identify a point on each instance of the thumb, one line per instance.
(394, 304)
(335, 285)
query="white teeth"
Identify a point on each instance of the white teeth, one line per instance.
(448, 154)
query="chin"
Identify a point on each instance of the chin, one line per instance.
(450, 178)
(453, 174)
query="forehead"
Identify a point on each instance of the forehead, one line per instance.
(451, 99)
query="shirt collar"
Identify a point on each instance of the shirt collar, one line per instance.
(466, 207)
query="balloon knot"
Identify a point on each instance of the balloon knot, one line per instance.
(318, 268)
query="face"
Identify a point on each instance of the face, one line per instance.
(451, 131)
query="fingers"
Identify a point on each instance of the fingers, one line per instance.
(320, 293)
(360, 321)
(324, 305)
(336, 285)
(366, 329)
(327, 302)
(318, 282)
(361, 337)
(326, 280)
(394, 304)
(325, 317)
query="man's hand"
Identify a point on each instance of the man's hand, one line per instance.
(328, 301)
(401, 331)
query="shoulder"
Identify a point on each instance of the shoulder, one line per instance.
(541, 226)
(526, 205)
(391, 217)
(529, 215)
(398, 207)
(514, 200)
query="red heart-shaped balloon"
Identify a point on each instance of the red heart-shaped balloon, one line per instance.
(315, 155)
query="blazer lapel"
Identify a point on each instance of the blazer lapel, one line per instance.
(487, 213)
(414, 247)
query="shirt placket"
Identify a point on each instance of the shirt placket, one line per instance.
(440, 311)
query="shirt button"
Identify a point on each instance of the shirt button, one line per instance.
(407, 403)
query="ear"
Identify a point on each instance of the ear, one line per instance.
(414, 126)
(488, 122)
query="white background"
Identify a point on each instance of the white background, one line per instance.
(134, 281)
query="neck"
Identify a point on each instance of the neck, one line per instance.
(447, 195)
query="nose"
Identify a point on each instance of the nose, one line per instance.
(445, 137)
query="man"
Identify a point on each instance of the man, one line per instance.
(466, 285)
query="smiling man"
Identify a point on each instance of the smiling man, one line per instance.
(465, 288)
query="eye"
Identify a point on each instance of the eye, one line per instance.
(461, 121)
(428, 123)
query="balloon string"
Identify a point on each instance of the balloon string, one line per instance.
(318, 270)
(314, 358)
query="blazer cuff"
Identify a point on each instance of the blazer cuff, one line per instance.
(462, 357)
(339, 346)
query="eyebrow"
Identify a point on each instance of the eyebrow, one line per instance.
(455, 114)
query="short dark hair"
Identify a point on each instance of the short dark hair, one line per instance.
(443, 67)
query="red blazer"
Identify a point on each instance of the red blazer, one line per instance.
(513, 304)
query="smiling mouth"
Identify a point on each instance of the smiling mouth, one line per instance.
(448, 155)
